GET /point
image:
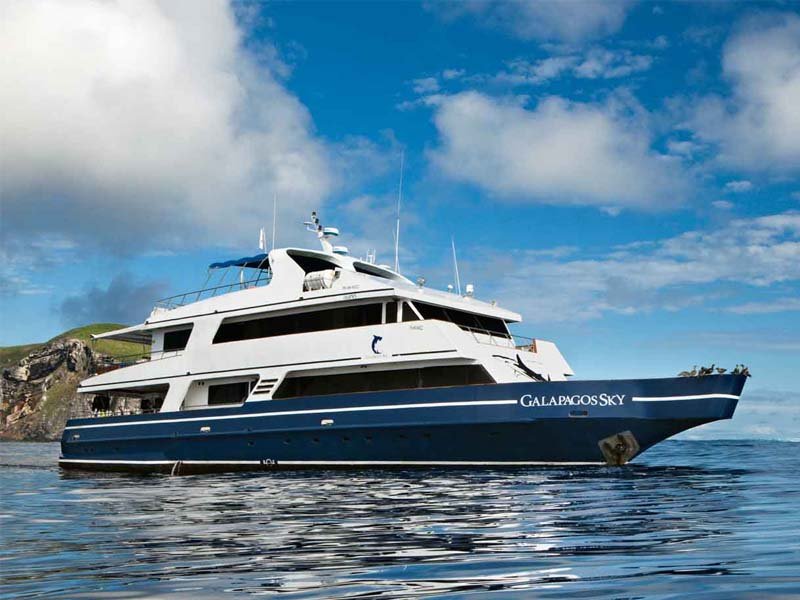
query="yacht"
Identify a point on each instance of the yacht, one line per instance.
(313, 358)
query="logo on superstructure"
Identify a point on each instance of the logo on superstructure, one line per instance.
(375, 340)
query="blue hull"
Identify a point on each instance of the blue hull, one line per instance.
(574, 422)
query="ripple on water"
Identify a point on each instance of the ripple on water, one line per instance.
(649, 529)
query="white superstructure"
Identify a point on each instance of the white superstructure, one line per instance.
(323, 319)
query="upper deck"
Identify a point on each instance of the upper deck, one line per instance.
(290, 278)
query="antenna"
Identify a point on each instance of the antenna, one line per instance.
(397, 225)
(324, 235)
(455, 264)
(274, 216)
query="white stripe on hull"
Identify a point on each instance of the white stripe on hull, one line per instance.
(316, 411)
(671, 398)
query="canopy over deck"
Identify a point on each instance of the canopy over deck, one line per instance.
(133, 334)
(259, 261)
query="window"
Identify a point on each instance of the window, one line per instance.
(374, 270)
(321, 320)
(408, 312)
(376, 381)
(429, 311)
(177, 339)
(391, 312)
(144, 399)
(463, 319)
(229, 393)
(311, 263)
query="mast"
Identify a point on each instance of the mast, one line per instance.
(455, 264)
(397, 223)
(274, 216)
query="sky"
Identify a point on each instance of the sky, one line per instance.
(625, 175)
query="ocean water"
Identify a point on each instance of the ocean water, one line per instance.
(688, 518)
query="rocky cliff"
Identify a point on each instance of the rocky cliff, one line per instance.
(38, 394)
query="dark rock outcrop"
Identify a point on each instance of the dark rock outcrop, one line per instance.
(38, 395)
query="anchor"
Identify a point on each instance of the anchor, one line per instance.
(619, 448)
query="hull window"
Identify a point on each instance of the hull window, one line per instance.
(229, 393)
(376, 381)
(322, 320)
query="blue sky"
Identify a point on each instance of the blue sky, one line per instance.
(625, 175)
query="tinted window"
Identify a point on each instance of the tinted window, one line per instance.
(391, 312)
(322, 320)
(228, 393)
(320, 385)
(372, 270)
(309, 264)
(176, 340)
(463, 319)
(429, 311)
(408, 313)
(493, 325)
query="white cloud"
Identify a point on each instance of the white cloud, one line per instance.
(574, 21)
(559, 152)
(738, 187)
(758, 127)
(722, 204)
(609, 64)
(449, 74)
(761, 308)
(684, 148)
(669, 274)
(594, 63)
(661, 42)
(146, 125)
(425, 85)
(369, 221)
(703, 35)
(522, 72)
(761, 414)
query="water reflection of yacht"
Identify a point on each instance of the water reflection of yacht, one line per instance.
(321, 359)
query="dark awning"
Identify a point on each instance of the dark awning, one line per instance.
(259, 261)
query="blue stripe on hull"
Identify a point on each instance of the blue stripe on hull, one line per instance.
(510, 423)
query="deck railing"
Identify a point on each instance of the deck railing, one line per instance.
(498, 339)
(209, 292)
(128, 360)
(84, 410)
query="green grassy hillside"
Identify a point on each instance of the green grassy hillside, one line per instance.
(10, 355)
